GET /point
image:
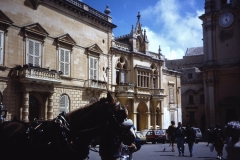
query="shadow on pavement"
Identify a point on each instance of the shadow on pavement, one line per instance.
(167, 155)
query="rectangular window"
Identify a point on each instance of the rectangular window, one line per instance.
(93, 68)
(191, 99)
(64, 61)
(190, 76)
(1, 46)
(33, 53)
(171, 93)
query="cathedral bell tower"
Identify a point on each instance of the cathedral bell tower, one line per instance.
(221, 74)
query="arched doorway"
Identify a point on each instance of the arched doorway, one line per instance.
(34, 108)
(142, 116)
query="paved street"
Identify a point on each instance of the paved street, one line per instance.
(156, 152)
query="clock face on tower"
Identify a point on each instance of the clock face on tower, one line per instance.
(226, 19)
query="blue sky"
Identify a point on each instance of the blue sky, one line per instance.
(172, 24)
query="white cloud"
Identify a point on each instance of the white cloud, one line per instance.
(177, 31)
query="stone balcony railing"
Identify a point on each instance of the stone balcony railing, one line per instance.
(95, 84)
(157, 91)
(124, 88)
(31, 73)
(121, 46)
(154, 92)
(90, 10)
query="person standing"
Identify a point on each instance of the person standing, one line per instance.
(171, 134)
(218, 140)
(233, 145)
(180, 134)
(191, 136)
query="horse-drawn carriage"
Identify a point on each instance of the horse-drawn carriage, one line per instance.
(68, 136)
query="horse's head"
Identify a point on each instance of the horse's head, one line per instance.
(116, 113)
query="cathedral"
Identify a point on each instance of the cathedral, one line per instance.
(59, 55)
(210, 75)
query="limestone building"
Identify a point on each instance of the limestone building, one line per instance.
(142, 83)
(58, 55)
(221, 72)
(220, 63)
(192, 86)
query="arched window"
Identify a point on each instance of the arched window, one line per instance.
(64, 104)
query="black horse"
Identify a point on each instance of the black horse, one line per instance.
(65, 137)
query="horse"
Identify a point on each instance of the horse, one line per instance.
(68, 136)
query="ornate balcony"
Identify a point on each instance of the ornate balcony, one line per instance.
(95, 84)
(157, 91)
(29, 73)
(124, 87)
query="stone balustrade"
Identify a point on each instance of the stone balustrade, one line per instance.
(91, 83)
(124, 88)
(157, 91)
(89, 9)
(121, 46)
(31, 73)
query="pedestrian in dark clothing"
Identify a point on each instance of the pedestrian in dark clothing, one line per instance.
(171, 134)
(191, 136)
(209, 136)
(233, 145)
(180, 134)
(218, 141)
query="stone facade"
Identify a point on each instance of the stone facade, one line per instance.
(192, 86)
(60, 55)
(142, 83)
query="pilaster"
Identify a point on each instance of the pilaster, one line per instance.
(25, 109)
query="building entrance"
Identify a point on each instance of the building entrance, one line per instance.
(34, 108)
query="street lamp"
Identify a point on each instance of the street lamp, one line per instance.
(3, 113)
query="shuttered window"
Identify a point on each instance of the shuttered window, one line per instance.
(64, 61)
(33, 52)
(93, 68)
(64, 104)
(1, 46)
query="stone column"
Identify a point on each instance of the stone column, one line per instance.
(50, 107)
(25, 109)
(148, 120)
